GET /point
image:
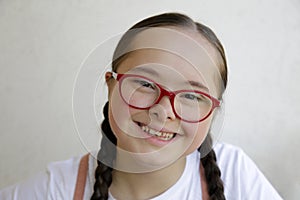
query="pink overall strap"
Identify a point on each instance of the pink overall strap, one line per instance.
(81, 177)
(205, 195)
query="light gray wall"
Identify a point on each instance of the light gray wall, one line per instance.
(43, 43)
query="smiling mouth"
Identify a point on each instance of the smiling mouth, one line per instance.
(166, 136)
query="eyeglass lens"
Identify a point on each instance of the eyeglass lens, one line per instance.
(143, 93)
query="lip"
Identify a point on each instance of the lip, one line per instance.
(156, 129)
(153, 139)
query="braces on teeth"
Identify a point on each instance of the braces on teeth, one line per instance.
(161, 135)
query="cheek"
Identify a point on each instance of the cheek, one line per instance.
(197, 133)
(114, 126)
(121, 117)
(118, 113)
(122, 129)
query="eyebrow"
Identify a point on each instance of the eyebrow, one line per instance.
(147, 70)
(198, 85)
(155, 73)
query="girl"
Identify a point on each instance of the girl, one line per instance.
(165, 88)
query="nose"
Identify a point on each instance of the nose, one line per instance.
(163, 111)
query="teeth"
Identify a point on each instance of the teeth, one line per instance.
(161, 135)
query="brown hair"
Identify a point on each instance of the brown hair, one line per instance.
(103, 173)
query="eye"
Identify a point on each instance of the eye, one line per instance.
(144, 83)
(191, 96)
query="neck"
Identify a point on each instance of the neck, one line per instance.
(145, 185)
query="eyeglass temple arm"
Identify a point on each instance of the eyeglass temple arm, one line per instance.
(114, 75)
(220, 102)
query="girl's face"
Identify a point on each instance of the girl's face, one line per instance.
(176, 66)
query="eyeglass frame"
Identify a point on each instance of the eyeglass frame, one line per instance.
(170, 94)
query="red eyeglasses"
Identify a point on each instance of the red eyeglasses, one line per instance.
(140, 92)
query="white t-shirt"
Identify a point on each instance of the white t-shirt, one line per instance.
(242, 180)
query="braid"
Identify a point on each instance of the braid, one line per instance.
(106, 154)
(212, 171)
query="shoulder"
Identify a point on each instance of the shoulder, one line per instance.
(232, 159)
(56, 182)
(222, 149)
(230, 155)
(35, 187)
(62, 176)
(241, 176)
(61, 170)
(234, 163)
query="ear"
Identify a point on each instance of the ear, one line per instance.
(108, 76)
(109, 82)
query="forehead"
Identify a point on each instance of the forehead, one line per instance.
(174, 54)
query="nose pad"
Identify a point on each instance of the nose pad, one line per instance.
(162, 111)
